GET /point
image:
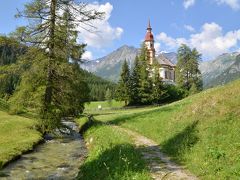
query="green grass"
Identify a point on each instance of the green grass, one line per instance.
(112, 155)
(3, 105)
(17, 135)
(81, 121)
(104, 104)
(201, 132)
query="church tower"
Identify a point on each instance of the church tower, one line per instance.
(149, 43)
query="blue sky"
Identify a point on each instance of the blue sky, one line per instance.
(212, 26)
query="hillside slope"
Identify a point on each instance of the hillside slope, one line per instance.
(200, 132)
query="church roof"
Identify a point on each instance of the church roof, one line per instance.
(149, 35)
(162, 60)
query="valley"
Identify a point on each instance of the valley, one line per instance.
(119, 90)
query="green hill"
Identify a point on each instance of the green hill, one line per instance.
(200, 132)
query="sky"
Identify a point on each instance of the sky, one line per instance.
(211, 26)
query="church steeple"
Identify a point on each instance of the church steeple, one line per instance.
(149, 43)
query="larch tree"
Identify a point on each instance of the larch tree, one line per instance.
(59, 86)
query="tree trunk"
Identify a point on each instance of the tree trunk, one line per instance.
(50, 68)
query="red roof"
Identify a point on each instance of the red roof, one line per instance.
(149, 35)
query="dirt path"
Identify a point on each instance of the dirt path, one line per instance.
(160, 165)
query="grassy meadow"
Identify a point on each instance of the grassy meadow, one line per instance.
(200, 132)
(17, 135)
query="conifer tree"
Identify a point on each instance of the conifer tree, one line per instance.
(52, 29)
(123, 90)
(135, 83)
(145, 89)
(187, 71)
(158, 90)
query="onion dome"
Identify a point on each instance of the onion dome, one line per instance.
(149, 35)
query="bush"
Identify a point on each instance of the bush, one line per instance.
(173, 93)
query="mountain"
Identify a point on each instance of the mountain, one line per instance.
(223, 69)
(109, 67)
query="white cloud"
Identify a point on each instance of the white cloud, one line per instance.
(188, 3)
(234, 4)
(211, 41)
(103, 34)
(189, 28)
(87, 55)
(157, 46)
(170, 42)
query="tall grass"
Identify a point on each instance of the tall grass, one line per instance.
(112, 155)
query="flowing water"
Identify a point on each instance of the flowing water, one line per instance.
(57, 158)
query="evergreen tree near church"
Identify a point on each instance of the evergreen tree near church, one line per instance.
(123, 89)
(145, 88)
(158, 90)
(134, 83)
(188, 75)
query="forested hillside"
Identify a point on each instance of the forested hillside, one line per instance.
(98, 86)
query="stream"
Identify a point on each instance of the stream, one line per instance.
(57, 158)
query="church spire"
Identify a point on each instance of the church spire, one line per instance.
(149, 25)
(149, 43)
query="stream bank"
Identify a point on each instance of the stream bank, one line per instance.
(57, 158)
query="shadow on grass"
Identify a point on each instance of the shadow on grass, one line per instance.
(121, 161)
(181, 143)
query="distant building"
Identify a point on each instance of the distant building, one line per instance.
(167, 69)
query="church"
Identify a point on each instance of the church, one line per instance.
(167, 68)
